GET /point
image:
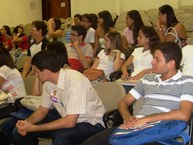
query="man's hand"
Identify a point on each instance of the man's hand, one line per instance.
(76, 44)
(128, 122)
(23, 127)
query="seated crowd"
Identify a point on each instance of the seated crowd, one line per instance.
(65, 63)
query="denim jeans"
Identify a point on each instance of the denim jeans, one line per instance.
(64, 136)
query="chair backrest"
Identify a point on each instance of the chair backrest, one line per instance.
(110, 93)
(21, 61)
(28, 82)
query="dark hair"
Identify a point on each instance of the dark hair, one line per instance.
(41, 25)
(15, 30)
(6, 58)
(171, 51)
(53, 59)
(116, 40)
(107, 19)
(88, 17)
(81, 30)
(57, 23)
(170, 15)
(7, 29)
(94, 20)
(150, 33)
(137, 23)
(60, 50)
(78, 15)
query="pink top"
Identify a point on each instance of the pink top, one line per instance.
(129, 35)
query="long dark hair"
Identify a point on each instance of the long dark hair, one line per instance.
(5, 58)
(150, 33)
(7, 29)
(107, 20)
(136, 17)
(171, 18)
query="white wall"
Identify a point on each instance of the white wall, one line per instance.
(92, 6)
(14, 12)
(84, 6)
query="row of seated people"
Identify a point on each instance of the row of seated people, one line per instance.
(105, 23)
(67, 90)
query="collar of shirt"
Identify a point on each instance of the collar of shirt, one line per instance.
(175, 77)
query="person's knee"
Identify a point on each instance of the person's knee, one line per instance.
(15, 134)
(61, 137)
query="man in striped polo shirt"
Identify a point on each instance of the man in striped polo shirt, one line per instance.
(168, 95)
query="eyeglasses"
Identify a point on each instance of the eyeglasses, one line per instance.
(73, 34)
(33, 29)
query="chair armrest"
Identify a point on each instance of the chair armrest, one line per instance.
(112, 118)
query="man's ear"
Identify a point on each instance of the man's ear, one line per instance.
(172, 63)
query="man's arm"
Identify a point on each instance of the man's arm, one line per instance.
(28, 125)
(26, 67)
(123, 108)
(86, 62)
(183, 113)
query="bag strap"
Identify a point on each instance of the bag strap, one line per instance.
(174, 34)
(182, 135)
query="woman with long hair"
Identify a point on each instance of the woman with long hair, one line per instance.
(141, 57)
(169, 28)
(105, 24)
(130, 34)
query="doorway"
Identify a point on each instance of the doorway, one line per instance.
(55, 8)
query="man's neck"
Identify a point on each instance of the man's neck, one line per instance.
(168, 75)
(38, 39)
(53, 77)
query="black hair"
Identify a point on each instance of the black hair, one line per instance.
(53, 59)
(57, 23)
(5, 58)
(15, 30)
(171, 18)
(60, 50)
(150, 33)
(137, 23)
(94, 20)
(79, 16)
(107, 20)
(7, 28)
(171, 51)
(40, 25)
(81, 30)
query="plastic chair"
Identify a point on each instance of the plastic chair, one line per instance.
(28, 82)
(110, 94)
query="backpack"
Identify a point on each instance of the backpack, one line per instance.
(162, 132)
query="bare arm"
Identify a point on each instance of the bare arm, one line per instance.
(37, 87)
(183, 113)
(23, 127)
(86, 62)
(38, 115)
(96, 63)
(125, 67)
(118, 61)
(16, 39)
(51, 31)
(26, 67)
(141, 74)
(1, 81)
(96, 42)
(125, 43)
(123, 108)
